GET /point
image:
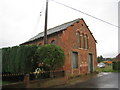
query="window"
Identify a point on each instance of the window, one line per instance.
(83, 39)
(87, 42)
(53, 42)
(79, 44)
(75, 60)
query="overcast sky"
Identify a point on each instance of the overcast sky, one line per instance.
(20, 20)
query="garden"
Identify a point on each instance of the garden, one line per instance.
(39, 62)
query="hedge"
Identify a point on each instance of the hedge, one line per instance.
(18, 59)
(0, 60)
(25, 58)
(116, 65)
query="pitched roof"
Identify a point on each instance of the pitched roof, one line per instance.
(54, 30)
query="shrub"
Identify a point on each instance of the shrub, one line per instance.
(50, 55)
(116, 65)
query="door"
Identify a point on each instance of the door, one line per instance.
(90, 60)
(75, 60)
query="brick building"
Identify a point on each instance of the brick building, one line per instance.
(118, 57)
(78, 43)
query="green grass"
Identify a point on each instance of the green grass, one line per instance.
(108, 68)
(4, 82)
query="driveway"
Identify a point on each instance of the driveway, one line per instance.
(103, 80)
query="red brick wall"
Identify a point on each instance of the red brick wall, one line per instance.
(68, 40)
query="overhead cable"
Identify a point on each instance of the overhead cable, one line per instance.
(86, 14)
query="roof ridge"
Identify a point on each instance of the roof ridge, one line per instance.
(57, 28)
(64, 23)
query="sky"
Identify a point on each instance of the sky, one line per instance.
(20, 20)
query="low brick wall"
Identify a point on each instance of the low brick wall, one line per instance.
(45, 83)
(48, 83)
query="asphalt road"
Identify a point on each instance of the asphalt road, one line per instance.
(104, 80)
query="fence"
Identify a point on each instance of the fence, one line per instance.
(16, 77)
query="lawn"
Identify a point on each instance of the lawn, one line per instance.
(108, 68)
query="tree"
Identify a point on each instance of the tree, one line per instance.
(50, 55)
(100, 59)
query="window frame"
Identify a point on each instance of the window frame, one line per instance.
(53, 42)
(83, 41)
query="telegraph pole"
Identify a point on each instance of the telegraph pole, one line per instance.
(45, 27)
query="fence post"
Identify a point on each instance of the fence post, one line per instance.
(26, 80)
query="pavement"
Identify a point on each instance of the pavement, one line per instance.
(52, 82)
(102, 80)
(94, 80)
(75, 80)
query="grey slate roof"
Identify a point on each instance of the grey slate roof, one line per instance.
(55, 29)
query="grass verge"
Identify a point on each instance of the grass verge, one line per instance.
(5, 82)
(107, 68)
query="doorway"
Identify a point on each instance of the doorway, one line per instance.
(90, 60)
(75, 60)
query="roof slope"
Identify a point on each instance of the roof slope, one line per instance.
(53, 30)
(118, 57)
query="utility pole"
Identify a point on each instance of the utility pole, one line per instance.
(45, 27)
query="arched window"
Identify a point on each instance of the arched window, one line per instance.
(79, 44)
(53, 42)
(83, 43)
(87, 42)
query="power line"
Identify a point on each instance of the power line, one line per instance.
(86, 14)
(38, 19)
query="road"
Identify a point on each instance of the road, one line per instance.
(103, 80)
